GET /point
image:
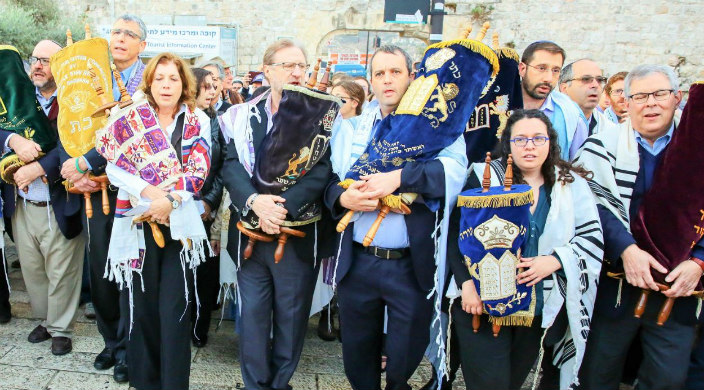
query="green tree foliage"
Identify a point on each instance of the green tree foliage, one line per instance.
(23, 23)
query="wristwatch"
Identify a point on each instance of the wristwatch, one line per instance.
(174, 202)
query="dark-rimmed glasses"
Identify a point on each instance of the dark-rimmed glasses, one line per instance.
(33, 60)
(659, 95)
(522, 142)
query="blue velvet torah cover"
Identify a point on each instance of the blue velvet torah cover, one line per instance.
(434, 110)
(500, 98)
(493, 228)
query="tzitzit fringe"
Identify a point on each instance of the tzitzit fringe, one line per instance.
(507, 52)
(475, 46)
(393, 201)
(512, 320)
(346, 183)
(495, 201)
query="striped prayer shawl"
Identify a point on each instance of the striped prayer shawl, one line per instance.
(614, 160)
(573, 233)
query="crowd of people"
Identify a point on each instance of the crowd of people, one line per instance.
(590, 148)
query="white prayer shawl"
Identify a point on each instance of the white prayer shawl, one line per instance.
(572, 232)
(603, 123)
(614, 160)
(454, 160)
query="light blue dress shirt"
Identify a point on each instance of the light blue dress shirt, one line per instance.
(392, 233)
(659, 144)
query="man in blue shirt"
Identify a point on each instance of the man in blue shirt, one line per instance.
(540, 68)
(127, 40)
(652, 97)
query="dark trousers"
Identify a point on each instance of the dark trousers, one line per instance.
(207, 286)
(159, 347)
(281, 293)
(370, 285)
(4, 288)
(495, 363)
(110, 311)
(666, 351)
(695, 377)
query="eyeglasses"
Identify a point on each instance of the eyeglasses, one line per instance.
(290, 66)
(118, 31)
(33, 60)
(617, 92)
(589, 79)
(659, 95)
(522, 142)
(544, 68)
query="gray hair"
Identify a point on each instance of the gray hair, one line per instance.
(642, 71)
(392, 49)
(217, 65)
(139, 21)
(567, 74)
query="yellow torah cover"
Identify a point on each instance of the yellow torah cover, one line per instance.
(76, 93)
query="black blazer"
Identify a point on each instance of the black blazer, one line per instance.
(212, 189)
(424, 178)
(66, 206)
(308, 189)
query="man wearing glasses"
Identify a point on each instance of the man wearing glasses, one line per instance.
(275, 298)
(47, 234)
(625, 165)
(127, 41)
(583, 82)
(540, 70)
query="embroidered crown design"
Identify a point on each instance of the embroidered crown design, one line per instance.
(496, 233)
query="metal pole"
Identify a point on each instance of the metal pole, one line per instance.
(366, 53)
(437, 13)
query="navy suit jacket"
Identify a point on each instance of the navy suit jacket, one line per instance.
(424, 178)
(66, 206)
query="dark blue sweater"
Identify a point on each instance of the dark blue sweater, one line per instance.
(617, 239)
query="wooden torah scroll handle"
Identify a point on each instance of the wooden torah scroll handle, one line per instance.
(156, 232)
(103, 181)
(666, 307)
(313, 79)
(495, 329)
(476, 321)
(342, 225)
(283, 237)
(86, 195)
(253, 237)
(486, 179)
(642, 301)
(383, 211)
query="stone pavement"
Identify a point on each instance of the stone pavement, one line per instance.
(29, 366)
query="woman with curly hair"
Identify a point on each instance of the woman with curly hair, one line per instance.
(561, 257)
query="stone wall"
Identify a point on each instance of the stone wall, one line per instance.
(618, 34)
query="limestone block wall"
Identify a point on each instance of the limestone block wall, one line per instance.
(618, 34)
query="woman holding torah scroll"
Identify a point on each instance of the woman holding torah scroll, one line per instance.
(157, 150)
(549, 287)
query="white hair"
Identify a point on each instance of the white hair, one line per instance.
(642, 71)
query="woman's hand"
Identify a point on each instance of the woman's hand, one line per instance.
(537, 269)
(160, 210)
(471, 303)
